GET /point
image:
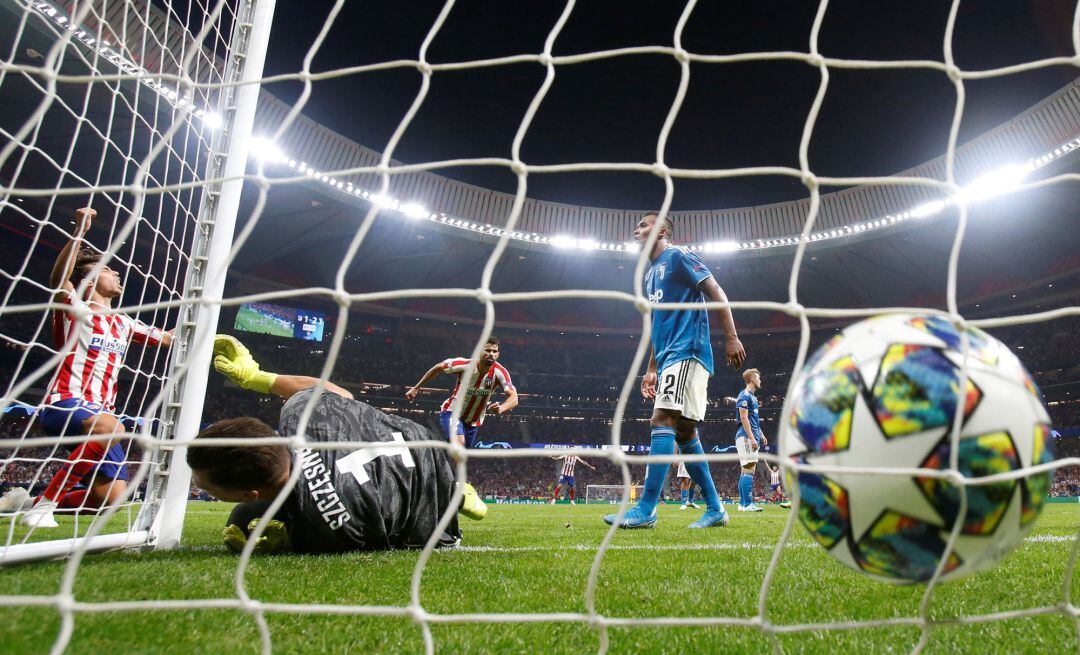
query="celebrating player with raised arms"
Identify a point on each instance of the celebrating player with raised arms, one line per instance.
(680, 365)
(488, 378)
(81, 399)
(749, 438)
(344, 500)
(567, 475)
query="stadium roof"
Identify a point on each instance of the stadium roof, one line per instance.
(1016, 244)
(1019, 243)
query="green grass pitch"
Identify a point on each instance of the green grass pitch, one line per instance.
(250, 320)
(537, 559)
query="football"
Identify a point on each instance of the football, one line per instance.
(884, 393)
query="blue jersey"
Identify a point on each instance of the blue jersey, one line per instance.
(683, 333)
(748, 401)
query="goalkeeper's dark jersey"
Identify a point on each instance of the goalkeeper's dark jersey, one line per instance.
(364, 499)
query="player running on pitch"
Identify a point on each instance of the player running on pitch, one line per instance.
(358, 499)
(749, 438)
(567, 476)
(686, 487)
(488, 378)
(81, 400)
(682, 356)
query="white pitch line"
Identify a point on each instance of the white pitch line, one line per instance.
(743, 545)
(593, 547)
(1050, 538)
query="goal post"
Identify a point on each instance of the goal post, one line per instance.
(179, 137)
(610, 494)
(165, 394)
(190, 365)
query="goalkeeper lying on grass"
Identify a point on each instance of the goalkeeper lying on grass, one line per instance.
(363, 499)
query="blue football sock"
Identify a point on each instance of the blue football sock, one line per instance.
(746, 489)
(685, 495)
(699, 473)
(663, 443)
(690, 494)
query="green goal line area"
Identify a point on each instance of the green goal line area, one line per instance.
(529, 559)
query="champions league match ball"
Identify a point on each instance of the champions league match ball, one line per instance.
(883, 393)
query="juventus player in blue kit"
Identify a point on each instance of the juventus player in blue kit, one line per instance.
(749, 438)
(680, 365)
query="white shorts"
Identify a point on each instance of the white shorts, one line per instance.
(682, 472)
(746, 456)
(683, 387)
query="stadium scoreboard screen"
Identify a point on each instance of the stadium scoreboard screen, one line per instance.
(280, 321)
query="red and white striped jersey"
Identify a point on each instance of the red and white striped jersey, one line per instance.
(774, 477)
(569, 462)
(96, 351)
(478, 391)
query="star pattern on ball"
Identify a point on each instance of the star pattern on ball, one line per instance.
(885, 398)
(869, 495)
(916, 389)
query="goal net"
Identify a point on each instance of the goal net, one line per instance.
(610, 494)
(142, 94)
(158, 98)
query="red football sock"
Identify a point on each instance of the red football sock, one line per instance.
(73, 499)
(572, 489)
(555, 496)
(79, 500)
(81, 461)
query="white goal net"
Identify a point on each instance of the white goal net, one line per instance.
(145, 97)
(158, 98)
(610, 494)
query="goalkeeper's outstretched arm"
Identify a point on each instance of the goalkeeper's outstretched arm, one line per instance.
(233, 360)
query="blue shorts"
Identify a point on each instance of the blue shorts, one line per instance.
(65, 419)
(468, 431)
(567, 480)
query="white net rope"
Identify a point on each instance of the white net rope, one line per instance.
(610, 493)
(69, 606)
(134, 148)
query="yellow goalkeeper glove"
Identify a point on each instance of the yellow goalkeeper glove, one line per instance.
(275, 539)
(233, 360)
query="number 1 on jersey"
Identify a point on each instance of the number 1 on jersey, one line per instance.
(354, 463)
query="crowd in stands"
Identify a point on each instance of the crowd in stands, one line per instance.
(33, 467)
(535, 477)
(569, 392)
(1066, 482)
(274, 311)
(24, 467)
(1065, 414)
(1066, 479)
(569, 384)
